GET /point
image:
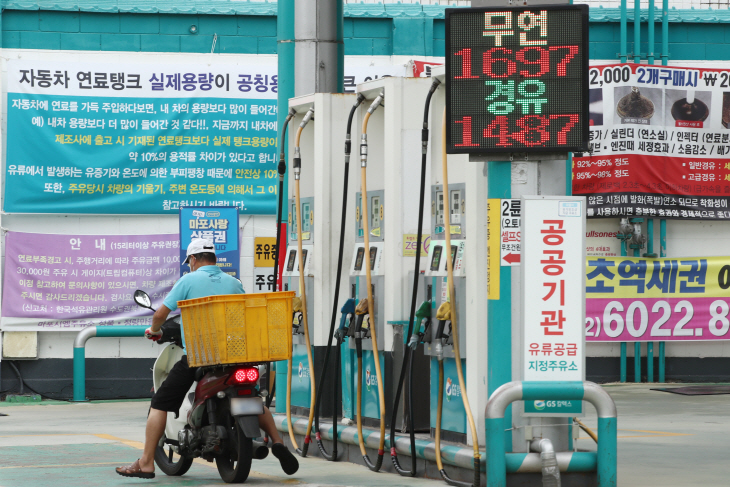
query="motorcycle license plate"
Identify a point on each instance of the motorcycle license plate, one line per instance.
(246, 406)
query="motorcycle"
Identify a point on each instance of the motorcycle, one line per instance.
(218, 419)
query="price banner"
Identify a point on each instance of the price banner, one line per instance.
(633, 299)
(517, 79)
(659, 143)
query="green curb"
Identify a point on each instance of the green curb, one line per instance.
(23, 399)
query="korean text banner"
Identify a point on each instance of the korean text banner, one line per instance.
(140, 138)
(57, 282)
(634, 299)
(220, 225)
(660, 141)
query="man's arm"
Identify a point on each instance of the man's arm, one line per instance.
(159, 317)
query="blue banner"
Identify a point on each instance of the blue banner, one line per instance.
(150, 143)
(219, 224)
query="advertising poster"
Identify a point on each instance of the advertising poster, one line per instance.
(67, 282)
(140, 138)
(660, 143)
(219, 224)
(633, 299)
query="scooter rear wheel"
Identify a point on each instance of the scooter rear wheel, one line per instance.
(235, 464)
(170, 462)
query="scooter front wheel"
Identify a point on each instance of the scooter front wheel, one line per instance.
(170, 462)
(235, 463)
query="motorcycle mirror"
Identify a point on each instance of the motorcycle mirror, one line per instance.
(142, 299)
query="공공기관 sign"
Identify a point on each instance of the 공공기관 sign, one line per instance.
(517, 79)
(140, 138)
(553, 292)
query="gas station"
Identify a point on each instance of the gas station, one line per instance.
(462, 304)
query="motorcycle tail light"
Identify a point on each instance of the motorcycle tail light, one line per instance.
(244, 376)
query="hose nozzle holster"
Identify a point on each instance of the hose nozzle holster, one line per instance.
(423, 325)
(297, 316)
(348, 309)
(362, 326)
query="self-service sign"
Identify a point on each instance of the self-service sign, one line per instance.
(553, 295)
(517, 79)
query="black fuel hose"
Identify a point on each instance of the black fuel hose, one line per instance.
(407, 357)
(325, 365)
(279, 211)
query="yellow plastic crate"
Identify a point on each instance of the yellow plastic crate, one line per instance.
(238, 328)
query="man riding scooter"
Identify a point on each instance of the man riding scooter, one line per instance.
(205, 279)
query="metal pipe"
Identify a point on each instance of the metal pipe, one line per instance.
(526, 391)
(623, 32)
(650, 28)
(637, 31)
(548, 461)
(623, 344)
(663, 253)
(650, 361)
(79, 364)
(450, 455)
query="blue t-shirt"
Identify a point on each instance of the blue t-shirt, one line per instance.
(208, 280)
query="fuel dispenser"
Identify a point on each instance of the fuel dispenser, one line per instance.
(438, 342)
(318, 146)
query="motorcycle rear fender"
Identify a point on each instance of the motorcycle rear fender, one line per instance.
(249, 425)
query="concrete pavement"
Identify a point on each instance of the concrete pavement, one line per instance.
(664, 439)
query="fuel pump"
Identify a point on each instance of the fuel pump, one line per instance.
(366, 307)
(347, 309)
(423, 311)
(270, 378)
(300, 322)
(448, 311)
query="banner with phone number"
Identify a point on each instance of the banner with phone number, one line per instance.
(634, 299)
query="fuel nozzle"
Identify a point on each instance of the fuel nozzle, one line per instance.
(297, 316)
(443, 314)
(348, 309)
(362, 327)
(423, 325)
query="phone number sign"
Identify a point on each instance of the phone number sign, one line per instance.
(517, 79)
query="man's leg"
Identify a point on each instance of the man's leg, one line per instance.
(288, 461)
(266, 422)
(155, 428)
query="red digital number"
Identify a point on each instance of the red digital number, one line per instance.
(573, 118)
(572, 51)
(532, 126)
(500, 124)
(489, 61)
(465, 133)
(543, 61)
(465, 64)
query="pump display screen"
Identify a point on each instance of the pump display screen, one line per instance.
(358, 259)
(436, 259)
(373, 253)
(517, 79)
(454, 250)
(292, 259)
(304, 257)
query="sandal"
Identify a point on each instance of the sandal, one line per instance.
(134, 470)
(289, 463)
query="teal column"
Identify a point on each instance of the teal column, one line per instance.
(496, 458)
(637, 31)
(623, 33)
(499, 314)
(607, 452)
(663, 253)
(650, 221)
(79, 365)
(623, 344)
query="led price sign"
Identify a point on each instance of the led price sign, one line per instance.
(517, 79)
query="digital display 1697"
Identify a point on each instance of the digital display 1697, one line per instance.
(517, 79)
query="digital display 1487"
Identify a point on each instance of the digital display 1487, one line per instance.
(517, 79)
